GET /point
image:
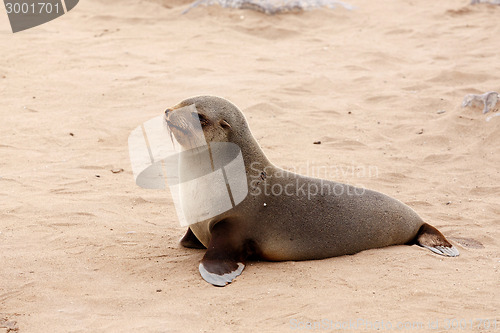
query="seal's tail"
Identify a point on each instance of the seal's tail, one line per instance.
(430, 238)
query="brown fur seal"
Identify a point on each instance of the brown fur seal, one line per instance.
(287, 216)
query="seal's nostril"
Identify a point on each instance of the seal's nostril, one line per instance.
(167, 111)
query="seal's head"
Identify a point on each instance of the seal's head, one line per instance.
(196, 121)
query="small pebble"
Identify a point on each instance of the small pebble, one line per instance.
(72, 134)
(441, 111)
(98, 176)
(448, 203)
(158, 290)
(265, 205)
(117, 170)
(421, 131)
(317, 142)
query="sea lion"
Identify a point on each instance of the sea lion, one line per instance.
(286, 216)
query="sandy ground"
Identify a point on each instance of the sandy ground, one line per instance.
(83, 249)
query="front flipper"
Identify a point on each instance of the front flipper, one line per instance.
(225, 257)
(191, 241)
(220, 279)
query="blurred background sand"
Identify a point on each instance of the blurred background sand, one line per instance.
(83, 249)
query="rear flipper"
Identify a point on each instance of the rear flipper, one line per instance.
(430, 238)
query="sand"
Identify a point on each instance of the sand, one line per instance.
(83, 249)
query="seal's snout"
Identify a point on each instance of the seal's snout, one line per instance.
(167, 112)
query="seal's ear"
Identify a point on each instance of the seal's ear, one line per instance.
(224, 124)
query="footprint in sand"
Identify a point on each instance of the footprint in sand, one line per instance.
(487, 100)
(468, 242)
(491, 2)
(272, 7)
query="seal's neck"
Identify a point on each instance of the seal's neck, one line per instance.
(254, 158)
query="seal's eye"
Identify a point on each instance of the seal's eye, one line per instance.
(224, 124)
(201, 118)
